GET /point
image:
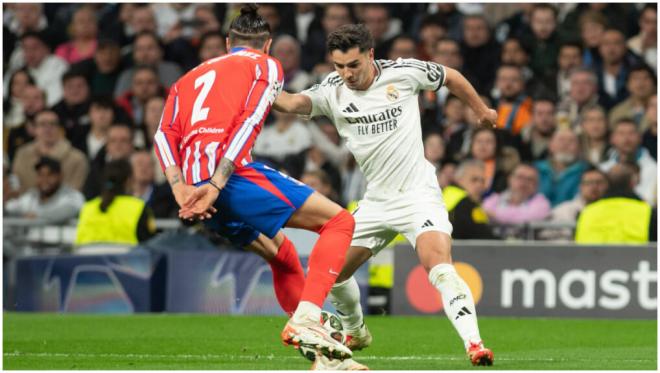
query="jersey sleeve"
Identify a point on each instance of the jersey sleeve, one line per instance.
(320, 93)
(423, 75)
(267, 85)
(168, 135)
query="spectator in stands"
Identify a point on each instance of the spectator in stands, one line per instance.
(544, 39)
(560, 172)
(432, 28)
(625, 141)
(316, 159)
(145, 131)
(158, 197)
(514, 107)
(287, 137)
(147, 51)
(271, 14)
(583, 93)
(485, 146)
(33, 102)
(27, 17)
(447, 52)
(83, 30)
(334, 15)
(650, 137)
(463, 202)
(479, 51)
(645, 44)
(211, 45)
(46, 68)
(614, 69)
(593, 186)
(115, 217)
(620, 217)
(402, 47)
(49, 141)
(594, 134)
(288, 51)
(558, 81)
(74, 106)
(453, 119)
(459, 145)
(520, 202)
(445, 173)
(320, 182)
(515, 53)
(103, 69)
(536, 136)
(592, 27)
(641, 84)
(516, 25)
(434, 148)
(140, 19)
(91, 139)
(119, 145)
(50, 200)
(13, 110)
(376, 18)
(144, 86)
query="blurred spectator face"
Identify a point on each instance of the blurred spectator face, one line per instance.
(510, 82)
(483, 146)
(593, 186)
(143, 167)
(213, 46)
(107, 58)
(120, 142)
(594, 124)
(27, 15)
(475, 32)
(287, 50)
(207, 21)
(403, 48)
(543, 23)
(454, 110)
(34, 51)
(648, 23)
(434, 148)
(101, 117)
(377, 20)
(146, 51)
(153, 109)
(445, 174)
(652, 113)
(75, 90)
(144, 85)
(48, 181)
(592, 33)
(142, 19)
(470, 116)
(83, 24)
(430, 34)
(330, 131)
(564, 146)
(448, 53)
(473, 180)
(569, 58)
(33, 100)
(543, 117)
(583, 87)
(315, 182)
(640, 84)
(524, 181)
(625, 138)
(270, 15)
(335, 15)
(612, 46)
(47, 128)
(18, 83)
(514, 54)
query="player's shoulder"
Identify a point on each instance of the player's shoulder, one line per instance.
(332, 80)
(411, 63)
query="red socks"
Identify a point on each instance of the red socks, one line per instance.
(327, 258)
(288, 276)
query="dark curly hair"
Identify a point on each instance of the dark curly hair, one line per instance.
(350, 36)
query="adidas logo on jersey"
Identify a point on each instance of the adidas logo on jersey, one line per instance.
(351, 108)
(427, 224)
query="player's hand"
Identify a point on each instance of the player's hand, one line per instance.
(488, 119)
(182, 192)
(199, 204)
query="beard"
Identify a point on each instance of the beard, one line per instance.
(564, 158)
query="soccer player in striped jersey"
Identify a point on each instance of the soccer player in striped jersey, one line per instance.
(210, 121)
(374, 105)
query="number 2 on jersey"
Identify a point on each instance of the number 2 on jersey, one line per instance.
(199, 112)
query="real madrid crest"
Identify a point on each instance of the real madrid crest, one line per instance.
(392, 94)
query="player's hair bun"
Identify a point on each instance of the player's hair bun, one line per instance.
(249, 9)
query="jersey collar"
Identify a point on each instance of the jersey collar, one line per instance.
(237, 49)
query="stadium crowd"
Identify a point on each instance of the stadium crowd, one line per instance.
(574, 86)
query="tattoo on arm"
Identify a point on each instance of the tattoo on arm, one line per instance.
(225, 169)
(175, 180)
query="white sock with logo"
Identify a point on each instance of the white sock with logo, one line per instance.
(307, 312)
(457, 301)
(345, 296)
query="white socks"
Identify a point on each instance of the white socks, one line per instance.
(307, 312)
(345, 296)
(457, 301)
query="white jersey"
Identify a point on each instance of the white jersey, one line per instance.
(381, 125)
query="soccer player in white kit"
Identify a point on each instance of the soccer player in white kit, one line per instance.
(374, 105)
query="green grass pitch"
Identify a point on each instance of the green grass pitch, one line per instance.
(168, 341)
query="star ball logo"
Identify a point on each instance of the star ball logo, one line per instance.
(392, 94)
(425, 298)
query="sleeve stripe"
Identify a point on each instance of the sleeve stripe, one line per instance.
(210, 150)
(163, 146)
(176, 109)
(244, 133)
(196, 168)
(184, 169)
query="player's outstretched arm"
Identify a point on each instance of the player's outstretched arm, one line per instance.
(295, 103)
(462, 88)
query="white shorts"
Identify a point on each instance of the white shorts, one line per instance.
(378, 221)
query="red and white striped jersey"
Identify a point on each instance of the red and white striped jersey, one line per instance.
(217, 110)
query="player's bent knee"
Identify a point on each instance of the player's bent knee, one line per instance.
(433, 248)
